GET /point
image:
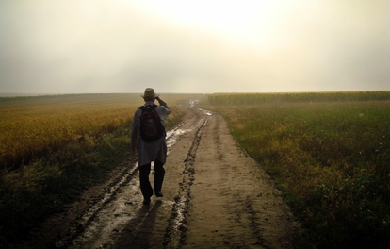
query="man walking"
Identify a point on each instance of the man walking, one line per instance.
(148, 137)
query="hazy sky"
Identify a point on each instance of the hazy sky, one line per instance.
(77, 46)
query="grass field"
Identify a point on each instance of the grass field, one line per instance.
(329, 153)
(53, 147)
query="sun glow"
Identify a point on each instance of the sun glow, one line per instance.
(235, 20)
(261, 25)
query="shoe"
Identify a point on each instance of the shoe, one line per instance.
(158, 194)
(146, 201)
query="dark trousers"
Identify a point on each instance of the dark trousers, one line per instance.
(144, 172)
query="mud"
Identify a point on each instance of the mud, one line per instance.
(214, 197)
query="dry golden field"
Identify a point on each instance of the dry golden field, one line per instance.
(31, 126)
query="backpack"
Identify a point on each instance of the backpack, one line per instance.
(150, 128)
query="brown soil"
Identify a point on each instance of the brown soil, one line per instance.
(215, 196)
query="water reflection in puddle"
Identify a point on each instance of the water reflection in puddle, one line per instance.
(208, 113)
(174, 135)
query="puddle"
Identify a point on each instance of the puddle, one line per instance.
(174, 135)
(193, 102)
(207, 112)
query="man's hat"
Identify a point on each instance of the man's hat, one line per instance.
(149, 93)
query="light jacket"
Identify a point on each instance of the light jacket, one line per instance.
(149, 151)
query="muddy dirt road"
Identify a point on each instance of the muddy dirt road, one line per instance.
(214, 197)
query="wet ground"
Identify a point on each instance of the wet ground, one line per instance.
(214, 197)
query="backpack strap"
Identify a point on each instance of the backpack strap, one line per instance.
(144, 107)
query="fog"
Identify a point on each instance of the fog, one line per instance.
(73, 46)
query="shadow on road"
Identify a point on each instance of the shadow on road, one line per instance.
(138, 232)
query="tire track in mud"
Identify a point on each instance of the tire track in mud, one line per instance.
(85, 219)
(126, 175)
(175, 235)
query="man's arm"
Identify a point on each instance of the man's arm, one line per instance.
(165, 111)
(161, 102)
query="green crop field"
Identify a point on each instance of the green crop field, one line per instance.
(53, 147)
(328, 152)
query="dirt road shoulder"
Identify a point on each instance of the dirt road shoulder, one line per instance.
(234, 203)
